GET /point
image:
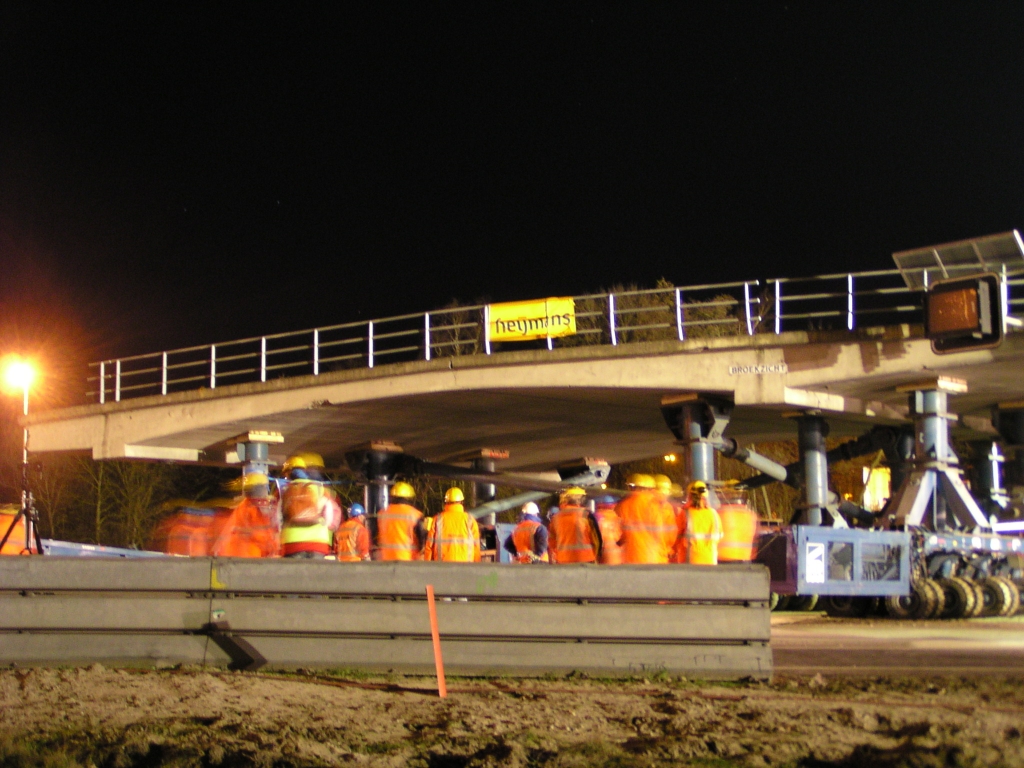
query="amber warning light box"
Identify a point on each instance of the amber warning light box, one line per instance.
(964, 314)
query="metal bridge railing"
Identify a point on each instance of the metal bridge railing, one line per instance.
(826, 302)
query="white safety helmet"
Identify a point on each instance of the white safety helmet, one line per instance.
(530, 508)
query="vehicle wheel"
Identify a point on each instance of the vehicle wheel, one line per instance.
(1013, 606)
(979, 598)
(803, 602)
(996, 596)
(906, 606)
(933, 607)
(783, 604)
(773, 601)
(961, 599)
(850, 607)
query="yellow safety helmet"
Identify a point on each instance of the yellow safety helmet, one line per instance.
(402, 491)
(303, 460)
(697, 487)
(293, 462)
(454, 496)
(565, 499)
(663, 483)
(253, 480)
(641, 481)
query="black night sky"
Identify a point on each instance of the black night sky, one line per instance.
(174, 175)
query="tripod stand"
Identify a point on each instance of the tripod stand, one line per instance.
(29, 515)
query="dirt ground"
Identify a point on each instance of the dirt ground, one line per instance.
(120, 718)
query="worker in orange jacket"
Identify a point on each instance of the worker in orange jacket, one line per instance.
(648, 523)
(427, 553)
(250, 529)
(610, 526)
(400, 531)
(575, 536)
(680, 505)
(529, 541)
(703, 527)
(352, 540)
(456, 535)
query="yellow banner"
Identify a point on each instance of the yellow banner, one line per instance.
(538, 319)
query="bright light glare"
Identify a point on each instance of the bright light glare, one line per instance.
(19, 374)
(670, 458)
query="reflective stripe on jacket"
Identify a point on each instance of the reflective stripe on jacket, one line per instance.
(703, 532)
(456, 536)
(305, 538)
(396, 532)
(573, 538)
(352, 542)
(739, 530)
(648, 527)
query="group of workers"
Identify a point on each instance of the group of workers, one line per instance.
(650, 525)
(300, 516)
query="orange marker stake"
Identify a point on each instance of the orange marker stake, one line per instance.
(442, 688)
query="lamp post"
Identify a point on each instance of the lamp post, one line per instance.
(19, 374)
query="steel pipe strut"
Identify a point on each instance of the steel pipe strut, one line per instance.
(812, 431)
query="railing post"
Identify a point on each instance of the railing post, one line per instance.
(849, 302)
(680, 329)
(778, 307)
(426, 336)
(103, 383)
(163, 374)
(316, 351)
(1004, 296)
(611, 318)
(746, 308)
(117, 381)
(263, 358)
(213, 366)
(369, 336)
(487, 329)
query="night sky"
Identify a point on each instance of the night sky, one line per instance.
(174, 175)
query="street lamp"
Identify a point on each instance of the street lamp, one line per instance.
(18, 374)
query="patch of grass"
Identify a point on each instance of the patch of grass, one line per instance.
(380, 747)
(25, 753)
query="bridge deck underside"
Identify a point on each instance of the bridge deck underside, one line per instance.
(547, 407)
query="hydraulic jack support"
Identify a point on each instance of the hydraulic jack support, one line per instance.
(933, 490)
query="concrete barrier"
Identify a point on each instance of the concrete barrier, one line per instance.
(627, 620)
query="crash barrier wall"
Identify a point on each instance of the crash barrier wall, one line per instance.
(834, 302)
(630, 620)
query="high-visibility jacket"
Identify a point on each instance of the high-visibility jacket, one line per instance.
(523, 539)
(456, 536)
(679, 552)
(309, 518)
(428, 538)
(703, 532)
(247, 532)
(184, 533)
(648, 527)
(396, 532)
(574, 536)
(352, 541)
(611, 531)
(739, 531)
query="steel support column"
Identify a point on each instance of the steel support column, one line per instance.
(812, 431)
